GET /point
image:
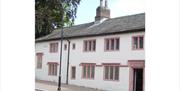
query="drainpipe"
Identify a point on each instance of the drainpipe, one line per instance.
(67, 75)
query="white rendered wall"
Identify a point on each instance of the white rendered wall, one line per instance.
(42, 74)
(77, 56)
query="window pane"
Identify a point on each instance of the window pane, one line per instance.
(88, 71)
(111, 72)
(51, 47)
(84, 71)
(41, 64)
(116, 73)
(141, 42)
(39, 61)
(50, 69)
(65, 47)
(55, 69)
(74, 46)
(85, 45)
(117, 44)
(94, 45)
(56, 47)
(53, 50)
(106, 72)
(90, 44)
(53, 65)
(92, 71)
(135, 42)
(107, 44)
(73, 72)
(112, 44)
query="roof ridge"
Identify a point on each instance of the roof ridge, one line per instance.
(125, 16)
(73, 26)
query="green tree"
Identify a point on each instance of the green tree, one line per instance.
(52, 14)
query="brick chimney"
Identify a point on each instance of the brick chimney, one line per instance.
(102, 11)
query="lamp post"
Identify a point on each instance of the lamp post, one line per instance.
(59, 81)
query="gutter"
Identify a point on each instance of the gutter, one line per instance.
(67, 75)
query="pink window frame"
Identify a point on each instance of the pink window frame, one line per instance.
(52, 72)
(109, 65)
(88, 45)
(53, 47)
(86, 66)
(41, 57)
(114, 38)
(138, 44)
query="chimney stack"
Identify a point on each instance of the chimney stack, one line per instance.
(102, 12)
(106, 6)
(101, 3)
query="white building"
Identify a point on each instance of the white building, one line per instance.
(106, 54)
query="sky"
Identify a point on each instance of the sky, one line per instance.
(87, 9)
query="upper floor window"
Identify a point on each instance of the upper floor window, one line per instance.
(112, 44)
(39, 60)
(53, 47)
(52, 68)
(137, 42)
(73, 46)
(89, 45)
(111, 72)
(65, 46)
(88, 70)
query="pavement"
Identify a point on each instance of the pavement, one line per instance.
(52, 86)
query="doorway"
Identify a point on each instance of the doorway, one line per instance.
(138, 79)
(136, 75)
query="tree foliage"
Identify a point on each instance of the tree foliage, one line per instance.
(51, 14)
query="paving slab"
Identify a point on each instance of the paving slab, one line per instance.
(52, 86)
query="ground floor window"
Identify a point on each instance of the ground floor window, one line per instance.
(73, 72)
(52, 68)
(39, 60)
(111, 72)
(88, 71)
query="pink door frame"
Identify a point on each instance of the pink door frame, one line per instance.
(135, 64)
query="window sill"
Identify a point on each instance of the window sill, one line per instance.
(52, 75)
(88, 78)
(138, 49)
(53, 52)
(89, 51)
(111, 80)
(111, 50)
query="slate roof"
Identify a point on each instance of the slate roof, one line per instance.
(125, 24)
